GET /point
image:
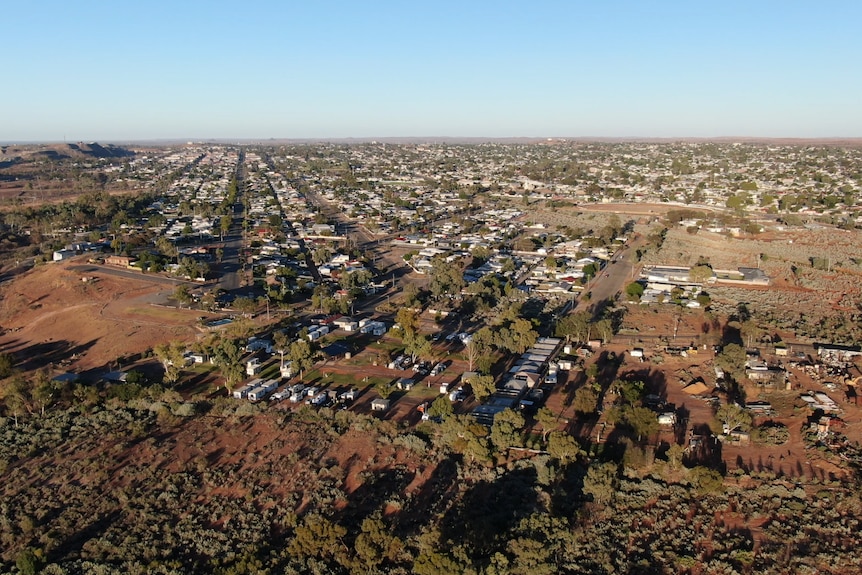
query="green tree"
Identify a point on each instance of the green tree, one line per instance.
(245, 305)
(301, 356)
(674, 456)
(281, 344)
(441, 407)
(275, 222)
(375, 544)
(466, 436)
(478, 350)
(317, 536)
(730, 417)
(643, 422)
(355, 279)
(505, 431)
(480, 254)
(408, 320)
(224, 225)
(601, 481)
(605, 329)
(736, 202)
(707, 481)
(434, 562)
(7, 363)
(18, 398)
(750, 332)
(44, 391)
(182, 294)
(700, 273)
(523, 335)
(447, 278)
(634, 291)
(228, 356)
(384, 388)
(563, 447)
(586, 400)
(630, 390)
(417, 345)
(166, 247)
(529, 557)
(575, 326)
(209, 301)
(483, 386)
(548, 420)
(731, 359)
(29, 561)
(171, 356)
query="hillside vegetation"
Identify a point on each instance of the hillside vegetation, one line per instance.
(144, 482)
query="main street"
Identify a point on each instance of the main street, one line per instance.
(230, 266)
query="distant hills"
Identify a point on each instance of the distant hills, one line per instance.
(65, 151)
(119, 149)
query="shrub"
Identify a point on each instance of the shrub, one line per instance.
(707, 481)
(770, 433)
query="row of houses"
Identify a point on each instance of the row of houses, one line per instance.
(256, 390)
(526, 375)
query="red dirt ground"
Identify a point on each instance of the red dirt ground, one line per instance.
(51, 317)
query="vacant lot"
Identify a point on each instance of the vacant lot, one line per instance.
(814, 276)
(51, 317)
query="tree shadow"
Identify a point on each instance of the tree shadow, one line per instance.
(433, 497)
(489, 509)
(680, 430)
(378, 488)
(654, 380)
(14, 272)
(609, 365)
(74, 544)
(573, 382)
(730, 334)
(568, 494)
(49, 352)
(614, 444)
(10, 346)
(704, 449)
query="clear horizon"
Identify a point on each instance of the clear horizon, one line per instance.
(93, 71)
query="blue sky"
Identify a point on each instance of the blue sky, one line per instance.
(153, 69)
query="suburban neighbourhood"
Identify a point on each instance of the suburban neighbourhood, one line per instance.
(604, 314)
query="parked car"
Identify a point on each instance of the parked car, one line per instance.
(458, 395)
(440, 367)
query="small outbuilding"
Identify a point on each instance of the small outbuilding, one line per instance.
(405, 384)
(380, 404)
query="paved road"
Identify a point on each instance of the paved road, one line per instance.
(613, 279)
(229, 268)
